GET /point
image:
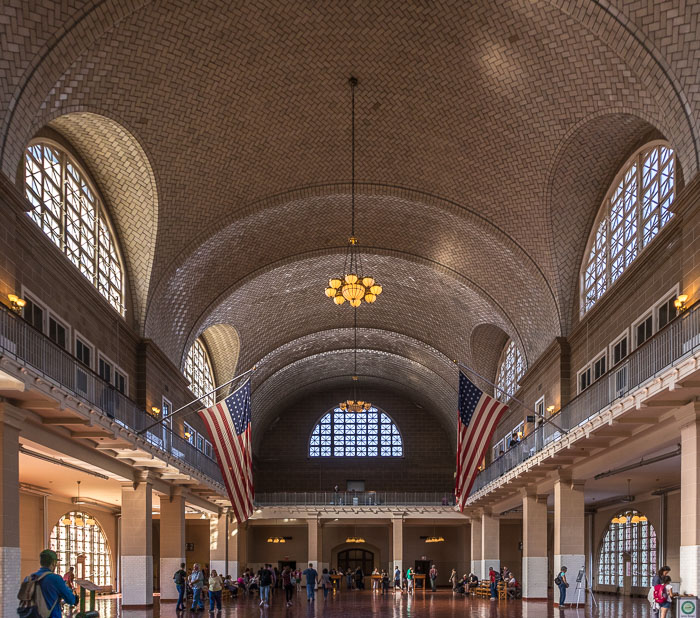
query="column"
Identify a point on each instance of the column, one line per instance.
(10, 576)
(396, 545)
(463, 563)
(569, 529)
(221, 540)
(137, 543)
(477, 565)
(535, 577)
(689, 571)
(490, 543)
(315, 544)
(172, 541)
(241, 537)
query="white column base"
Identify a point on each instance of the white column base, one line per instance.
(573, 563)
(220, 567)
(476, 568)
(690, 569)
(535, 582)
(10, 579)
(137, 580)
(168, 567)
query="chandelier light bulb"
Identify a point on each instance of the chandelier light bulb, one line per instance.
(370, 298)
(351, 278)
(335, 283)
(367, 282)
(339, 300)
(330, 292)
(355, 303)
(376, 289)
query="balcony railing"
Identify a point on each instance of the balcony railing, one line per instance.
(676, 341)
(28, 346)
(353, 498)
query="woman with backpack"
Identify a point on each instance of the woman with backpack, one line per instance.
(663, 595)
(560, 581)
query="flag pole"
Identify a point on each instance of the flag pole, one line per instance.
(542, 416)
(187, 405)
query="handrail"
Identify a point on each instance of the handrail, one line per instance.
(355, 498)
(34, 349)
(676, 341)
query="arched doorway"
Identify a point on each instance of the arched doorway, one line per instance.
(352, 558)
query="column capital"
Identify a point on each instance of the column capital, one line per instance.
(688, 415)
(11, 415)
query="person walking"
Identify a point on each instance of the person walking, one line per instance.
(180, 579)
(561, 582)
(297, 577)
(50, 587)
(287, 584)
(265, 583)
(311, 576)
(453, 579)
(325, 583)
(397, 578)
(348, 577)
(197, 582)
(69, 578)
(433, 574)
(493, 582)
(409, 579)
(216, 585)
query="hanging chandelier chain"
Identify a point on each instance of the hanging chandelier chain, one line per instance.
(353, 83)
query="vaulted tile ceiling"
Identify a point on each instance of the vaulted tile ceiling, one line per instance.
(487, 135)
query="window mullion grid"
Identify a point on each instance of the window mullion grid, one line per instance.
(640, 203)
(64, 199)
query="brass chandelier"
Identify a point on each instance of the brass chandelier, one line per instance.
(353, 286)
(354, 405)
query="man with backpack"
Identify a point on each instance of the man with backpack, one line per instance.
(40, 594)
(494, 578)
(433, 578)
(180, 579)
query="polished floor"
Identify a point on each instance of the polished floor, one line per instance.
(354, 604)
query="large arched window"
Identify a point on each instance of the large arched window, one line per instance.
(510, 370)
(198, 372)
(628, 548)
(69, 211)
(78, 539)
(370, 433)
(636, 207)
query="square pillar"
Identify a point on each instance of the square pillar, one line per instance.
(396, 546)
(222, 541)
(490, 543)
(535, 574)
(476, 566)
(137, 543)
(10, 576)
(690, 508)
(569, 526)
(241, 537)
(172, 541)
(315, 544)
(463, 563)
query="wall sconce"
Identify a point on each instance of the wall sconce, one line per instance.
(520, 435)
(16, 303)
(188, 435)
(550, 409)
(155, 410)
(679, 303)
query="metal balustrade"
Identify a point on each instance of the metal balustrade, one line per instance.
(673, 343)
(33, 349)
(352, 498)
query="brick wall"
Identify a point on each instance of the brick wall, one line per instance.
(282, 463)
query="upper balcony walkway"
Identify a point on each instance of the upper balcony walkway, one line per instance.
(662, 363)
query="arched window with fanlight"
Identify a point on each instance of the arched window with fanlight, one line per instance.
(79, 542)
(510, 370)
(637, 206)
(68, 209)
(628, 548)
(199, 372)
(368, 433)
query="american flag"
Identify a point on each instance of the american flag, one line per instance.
(478, 416)
(228, 423)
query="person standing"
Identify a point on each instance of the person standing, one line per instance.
(265, 583)
(197, 583)
(348, 577)
(433, 573)
(493, 583)
(216, 584)
(561, 582)
(409, 579)
(453, 579)
(397, 578)
(668, 591)
(287, 584)
(657, 580)
(325, 583)
(50, 586)
(180, 579)
(311, 576)
(69, 578)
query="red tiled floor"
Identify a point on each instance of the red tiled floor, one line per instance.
(442, 604)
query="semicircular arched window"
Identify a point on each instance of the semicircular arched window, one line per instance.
(79, 542)
(370, 433)
(510, 370)
(199, 372)
(628, 548)
(68, 210)
(636, 207)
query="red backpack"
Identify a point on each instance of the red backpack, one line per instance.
(660, 594)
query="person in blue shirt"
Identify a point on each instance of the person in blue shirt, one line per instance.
(52, 585)
(311, 575)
